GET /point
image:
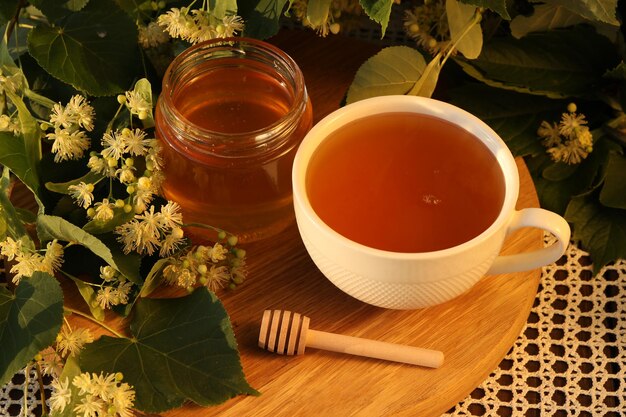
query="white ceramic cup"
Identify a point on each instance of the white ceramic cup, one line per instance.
(416, 280)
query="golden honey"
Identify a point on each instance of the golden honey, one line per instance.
(230, 118)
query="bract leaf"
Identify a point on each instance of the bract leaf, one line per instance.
(30, 320)
(191, 349)
(317, 11)
(394, 70)
(460, 15)
(92, 49)
(54, 227)
(63, 187)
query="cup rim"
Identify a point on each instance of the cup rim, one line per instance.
(402, 103)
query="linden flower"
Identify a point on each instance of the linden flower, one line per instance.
(217, 277)
(61, 395)
(135, 141)
(101, 395)
(7, 124)
(70, 342)
(138, 104)
(81, 112)
(107, 297)
(82, 193)
(108, 273)
(114, 145)
(175, 21)
(569, 141)
(68, 144)
(103, 210)
(11, 248)
(152, 35)
(53, 257)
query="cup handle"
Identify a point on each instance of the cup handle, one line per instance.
(541, 219)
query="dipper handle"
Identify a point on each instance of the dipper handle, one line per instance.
(288, 333)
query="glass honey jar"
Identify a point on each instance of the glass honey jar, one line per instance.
(230, 117)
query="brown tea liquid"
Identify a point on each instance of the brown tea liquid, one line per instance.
(405, 183)
(248, 195)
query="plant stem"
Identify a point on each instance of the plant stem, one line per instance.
(25, 391)
(90, 318)
(42, 392)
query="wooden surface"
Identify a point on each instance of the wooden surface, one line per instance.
(474, 330)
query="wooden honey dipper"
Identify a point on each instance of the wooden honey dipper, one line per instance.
(288, 333)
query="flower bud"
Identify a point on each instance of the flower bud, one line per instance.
(121, 98)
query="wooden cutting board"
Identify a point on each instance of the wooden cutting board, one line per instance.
(474, 331)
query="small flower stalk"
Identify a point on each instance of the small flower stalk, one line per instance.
(569, 141)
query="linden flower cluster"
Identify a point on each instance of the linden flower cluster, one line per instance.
(153, 230)
(69, 140)
(29, 261)
(212, 267)
(568, 141)
(69, 342)
(98, 395)
(114, 289)
(198, 25)
(428, 25)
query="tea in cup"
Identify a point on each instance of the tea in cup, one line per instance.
(405, 202)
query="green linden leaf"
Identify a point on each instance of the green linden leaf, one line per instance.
(379, 11)
(394, 70)
(545, 17)
(181, 349)
(8, 8)
(545, 63)
(613, 193)
(53, 227)
(261, 17)
(514, 116)
(30, 320)
(558, 183)
(601, 230)
(94, 49)
(459, 16)
(11, 223)
(55, 10)
(617, 73)
(600, 10)
(13, 156)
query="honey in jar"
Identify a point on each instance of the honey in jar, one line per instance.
(230, 118)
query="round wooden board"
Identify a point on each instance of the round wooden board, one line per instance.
(474, 330)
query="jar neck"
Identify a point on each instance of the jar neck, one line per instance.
(229, 55)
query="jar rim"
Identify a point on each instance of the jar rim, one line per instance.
(236, 43)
